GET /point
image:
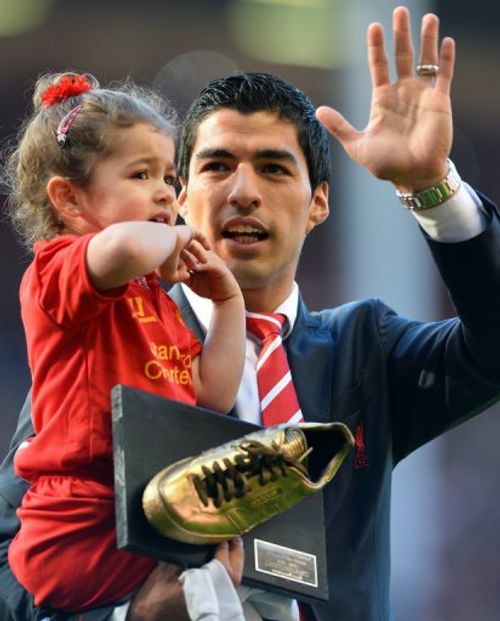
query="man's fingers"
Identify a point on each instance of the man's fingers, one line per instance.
(446, 66)
(236, 550)
(431, 54)
(231, 550)
(336, 124)
(378, 62)
(429, 40)
(231, 554)
(160, 597)
(403, 46)
(237, 558)
(222, 552)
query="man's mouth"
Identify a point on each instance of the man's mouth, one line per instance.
(244, 234)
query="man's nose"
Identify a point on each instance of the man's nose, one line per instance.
(244, 191)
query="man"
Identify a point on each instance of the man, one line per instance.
(254, 165)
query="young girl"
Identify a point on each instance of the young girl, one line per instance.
(93, 192)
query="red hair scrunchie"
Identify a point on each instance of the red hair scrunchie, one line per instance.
(66, 87)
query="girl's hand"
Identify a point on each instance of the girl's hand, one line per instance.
(190, 246)
(208, 275)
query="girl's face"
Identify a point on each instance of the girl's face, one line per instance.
(136, 182)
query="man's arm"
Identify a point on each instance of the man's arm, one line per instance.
(15, 603)
(443, 373)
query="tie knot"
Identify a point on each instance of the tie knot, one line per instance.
(262, 325)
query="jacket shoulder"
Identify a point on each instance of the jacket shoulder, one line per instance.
(367, 310)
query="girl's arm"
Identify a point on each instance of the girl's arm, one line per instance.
(125, 250)
(218, 369)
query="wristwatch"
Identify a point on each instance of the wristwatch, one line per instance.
(432, 197)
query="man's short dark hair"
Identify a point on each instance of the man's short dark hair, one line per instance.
(258, 92)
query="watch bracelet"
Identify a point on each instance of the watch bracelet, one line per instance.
(434, 196)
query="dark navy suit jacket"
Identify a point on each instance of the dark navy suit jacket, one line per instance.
(397, 384)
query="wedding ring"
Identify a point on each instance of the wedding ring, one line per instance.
(427, 70)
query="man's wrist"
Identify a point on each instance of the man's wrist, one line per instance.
(435, 195)
(460, 218)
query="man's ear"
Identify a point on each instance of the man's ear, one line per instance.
(319, 209)
(63, 196)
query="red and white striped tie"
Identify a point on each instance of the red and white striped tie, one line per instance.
(278, 399)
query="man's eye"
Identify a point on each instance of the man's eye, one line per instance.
(274, 169)
(214, 167)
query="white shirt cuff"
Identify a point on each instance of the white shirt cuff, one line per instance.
(458, 219)
(210, 594)
(120, 612)
(259, 604)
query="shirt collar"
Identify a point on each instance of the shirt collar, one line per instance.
(203, 308)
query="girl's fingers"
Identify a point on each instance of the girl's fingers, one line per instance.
(197, 250)
(188, 259)
(201, 239)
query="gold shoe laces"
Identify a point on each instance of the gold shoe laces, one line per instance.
(228, 482)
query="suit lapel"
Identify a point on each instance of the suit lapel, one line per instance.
(311, 355)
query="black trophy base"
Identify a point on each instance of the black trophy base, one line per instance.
(286, 554)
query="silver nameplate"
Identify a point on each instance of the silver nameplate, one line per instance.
(285, 562)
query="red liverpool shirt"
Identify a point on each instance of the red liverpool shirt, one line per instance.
(81, 342)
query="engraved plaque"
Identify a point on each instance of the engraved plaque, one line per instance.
(285, 562)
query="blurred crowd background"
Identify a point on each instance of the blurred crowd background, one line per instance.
(446, 507)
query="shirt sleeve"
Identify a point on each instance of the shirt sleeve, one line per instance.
(196, 346)
(59, 283)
